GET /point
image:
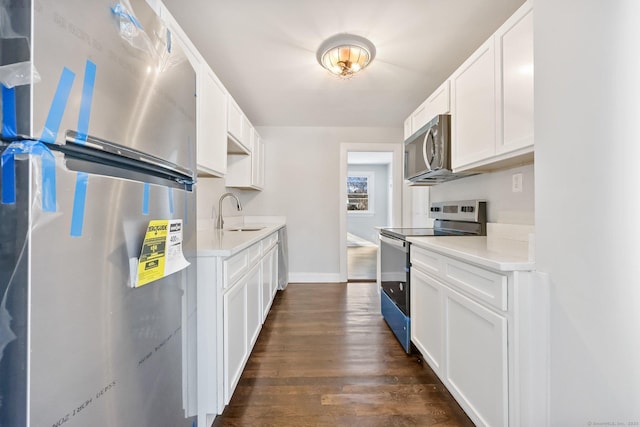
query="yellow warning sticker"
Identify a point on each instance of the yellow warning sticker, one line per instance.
(161, 253)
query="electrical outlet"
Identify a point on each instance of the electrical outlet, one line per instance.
(516, 183)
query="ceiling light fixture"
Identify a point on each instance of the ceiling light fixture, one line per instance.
(345, 54)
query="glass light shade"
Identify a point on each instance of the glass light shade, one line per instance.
(345, 54)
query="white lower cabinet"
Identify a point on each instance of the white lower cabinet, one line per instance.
(483, 333)
(235, 336)
(269, 279)
(476, 357)
(254, 304)
(426, 317)
(234, 296)
(245, 307)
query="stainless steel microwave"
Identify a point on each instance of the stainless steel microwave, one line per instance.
(427, 153)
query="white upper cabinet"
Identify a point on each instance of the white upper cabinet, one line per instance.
(211, 108)
(245, 160)
(515, 43)
(247, 170)
(420, 117)
(437, 103)
(238, 128)
(473, 118)
(492, 99)
(257, 161)
(407, 128)
(212, 129)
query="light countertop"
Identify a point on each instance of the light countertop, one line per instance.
(224, 243)
(494, 253)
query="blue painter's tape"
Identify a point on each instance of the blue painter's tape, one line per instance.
(7, 163)
(9, 122)
(58, 105)
(82, 178)
(122, 11)
(49, 134)
(145, 199)
(85, 101)
(170, 190)
(79, 198)
(48, 177)
(48, 172)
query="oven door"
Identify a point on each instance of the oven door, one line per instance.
(394, 271)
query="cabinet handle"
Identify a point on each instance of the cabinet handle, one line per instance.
(427, 160)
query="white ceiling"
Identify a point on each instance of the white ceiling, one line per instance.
(264, 52)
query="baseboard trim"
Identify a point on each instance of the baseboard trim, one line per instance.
(314, 277)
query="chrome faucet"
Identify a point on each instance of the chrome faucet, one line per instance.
(219, 220)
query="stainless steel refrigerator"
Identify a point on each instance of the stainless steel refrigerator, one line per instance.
(98, 138)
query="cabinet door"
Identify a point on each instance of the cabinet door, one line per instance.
(439, 100)
(254, 305)
(515, 41)
(473, 118)
(247, 131)
(420, 116)
(267, 283)
(407, 128)
(426, 318)
(235, 336)
(212, 124)
(234, 120)
(476, 359)
(246, 171)
(257, 161)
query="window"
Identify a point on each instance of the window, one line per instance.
(360, 192)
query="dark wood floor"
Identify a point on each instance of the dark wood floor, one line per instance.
(325, 357)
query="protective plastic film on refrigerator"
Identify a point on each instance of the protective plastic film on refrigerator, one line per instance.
(97, 229)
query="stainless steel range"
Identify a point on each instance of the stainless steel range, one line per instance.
(460, 218)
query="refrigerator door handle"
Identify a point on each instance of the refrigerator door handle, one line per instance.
(117, 157)
(73, 137)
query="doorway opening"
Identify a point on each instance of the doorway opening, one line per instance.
(370, 198)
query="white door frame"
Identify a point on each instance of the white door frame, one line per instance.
(396, 190)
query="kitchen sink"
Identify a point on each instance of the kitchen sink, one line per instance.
(245, 228)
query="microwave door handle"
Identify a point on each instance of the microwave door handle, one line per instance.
(427, 160)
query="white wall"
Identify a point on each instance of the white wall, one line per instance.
(363, 225)
(503, 205)
(302, 168)
(587, 115)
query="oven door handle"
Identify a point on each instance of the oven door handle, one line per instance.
(403, 244)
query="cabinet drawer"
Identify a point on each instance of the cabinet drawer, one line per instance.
(255, 252)
(482, 284)
(234, 267)
(269, 241)
(426, 261)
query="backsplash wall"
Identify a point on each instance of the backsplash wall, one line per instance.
(503, 205)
